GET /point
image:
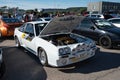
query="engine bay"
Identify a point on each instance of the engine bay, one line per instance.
(63, 39)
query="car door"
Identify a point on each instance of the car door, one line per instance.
(87, 28)
(22, 34)
(29, 35)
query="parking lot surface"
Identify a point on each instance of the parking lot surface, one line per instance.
(22, 65)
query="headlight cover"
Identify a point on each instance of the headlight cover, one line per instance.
(64, 51)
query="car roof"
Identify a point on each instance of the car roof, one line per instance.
(35, 22)
(92, 18)
(113, 18)
(46, 18)
(95, 14)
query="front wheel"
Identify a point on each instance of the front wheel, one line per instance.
(17, 42)
(105, 42)
(42, 57)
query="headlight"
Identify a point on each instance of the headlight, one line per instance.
(61, 51)
(64, 51)
(67, 50)
(83, 46)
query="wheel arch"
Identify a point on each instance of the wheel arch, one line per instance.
(105, 36)
(45, 53)
(43, 49)
(101, 35)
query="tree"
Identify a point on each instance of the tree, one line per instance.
(4, 7)
(36, 10)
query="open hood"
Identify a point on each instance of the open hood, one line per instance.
(62, 24)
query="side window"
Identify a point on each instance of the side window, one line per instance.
(86, 24)
(29, 29)
(93, 15)
(21, 28)
(98, 16)
(115, 21)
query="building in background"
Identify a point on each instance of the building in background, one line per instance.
(103, 6)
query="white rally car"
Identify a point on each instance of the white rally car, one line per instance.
(53, 42)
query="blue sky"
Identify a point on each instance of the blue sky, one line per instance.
(32, 4)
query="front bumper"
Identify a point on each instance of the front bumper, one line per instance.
(73, 58)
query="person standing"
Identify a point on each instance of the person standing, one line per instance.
(31, 16)
(26, 18)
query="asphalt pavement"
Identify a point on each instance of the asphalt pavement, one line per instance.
(22, 65)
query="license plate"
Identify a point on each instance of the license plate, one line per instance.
(81, 56)
(75, 59)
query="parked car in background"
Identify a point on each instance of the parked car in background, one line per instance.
(53, 42)
(103, 32)
(44, 19)
(108, 16)
(95, 15)
(7, 26)
(115, 21)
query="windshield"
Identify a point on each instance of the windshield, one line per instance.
(39, 27)
(102, 24)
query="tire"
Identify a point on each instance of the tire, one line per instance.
(42, 57)
(17, 42)
(105, 42)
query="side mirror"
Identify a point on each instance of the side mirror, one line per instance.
(31, 34)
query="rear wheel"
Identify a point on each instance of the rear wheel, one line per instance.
(17, 42)
(42, 57)
(105, 42)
